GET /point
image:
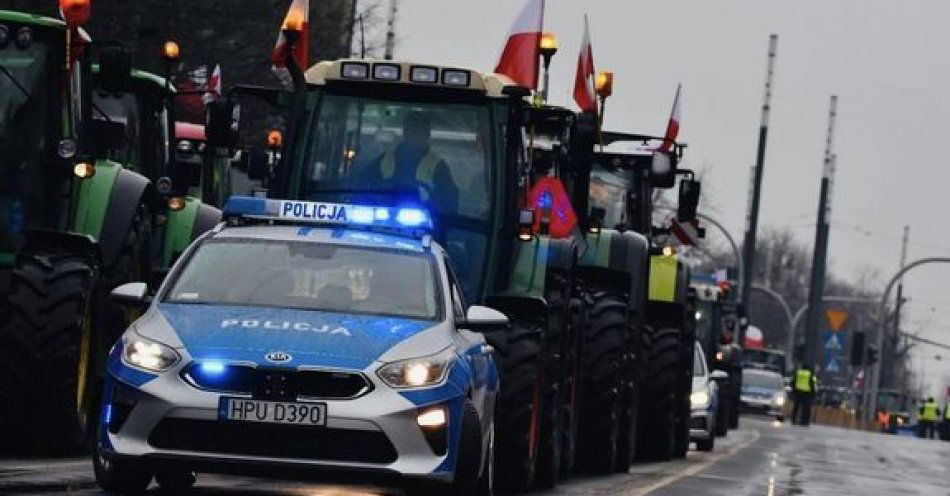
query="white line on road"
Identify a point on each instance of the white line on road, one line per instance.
(692, 470)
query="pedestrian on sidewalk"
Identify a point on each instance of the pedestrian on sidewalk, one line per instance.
(928, 415)
(804, 395)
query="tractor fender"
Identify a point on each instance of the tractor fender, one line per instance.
(58, 242)
(518, 305)
(206, 217)
(185, 226)
(620, 259)
(129, 189)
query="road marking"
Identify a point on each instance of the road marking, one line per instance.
(693, 470)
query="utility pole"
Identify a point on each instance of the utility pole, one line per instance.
(889, 353)
(752, 219)
(390, 31)
(820, 254)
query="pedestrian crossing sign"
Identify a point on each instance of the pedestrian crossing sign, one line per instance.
(833, 342)
(834, 365)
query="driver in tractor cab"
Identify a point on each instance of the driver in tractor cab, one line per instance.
(412, 162)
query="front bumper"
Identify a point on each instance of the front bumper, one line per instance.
(761, 405)
(701, 425)
(165, 420)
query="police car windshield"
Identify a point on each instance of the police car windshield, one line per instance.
(308, 276)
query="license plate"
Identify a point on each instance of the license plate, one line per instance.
(272, 412)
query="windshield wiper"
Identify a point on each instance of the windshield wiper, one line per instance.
(14, 81)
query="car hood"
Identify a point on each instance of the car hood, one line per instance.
(699, 383)
(328, 339)
(761, 391)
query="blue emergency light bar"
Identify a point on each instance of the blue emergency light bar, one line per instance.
(305, 212)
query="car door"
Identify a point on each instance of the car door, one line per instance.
(476, 353)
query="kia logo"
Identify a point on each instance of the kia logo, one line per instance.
(278, 356)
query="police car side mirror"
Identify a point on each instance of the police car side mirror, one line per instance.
(788, 389)
(719, 375)
(131, 293)
(479, 318)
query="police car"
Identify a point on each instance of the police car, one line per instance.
(324, 338)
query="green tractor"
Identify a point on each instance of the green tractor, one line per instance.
(84, 181)
(352, 123)
(630, 267)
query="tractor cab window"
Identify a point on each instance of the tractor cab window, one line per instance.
(122, 111)
(362, 149)
(608, 190)
(31, 80)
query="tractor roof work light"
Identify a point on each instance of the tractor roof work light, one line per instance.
(604, 84)
(275, 139)
(170, 50)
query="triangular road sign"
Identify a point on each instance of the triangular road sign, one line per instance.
(836, 318)
(833, 366)
(833, 342)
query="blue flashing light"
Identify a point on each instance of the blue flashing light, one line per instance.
(107, 414)
(339, 214)
(411, 217)
(212, 368)
(545, 200)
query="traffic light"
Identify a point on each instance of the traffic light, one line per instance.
(872, 355)
(857, 348)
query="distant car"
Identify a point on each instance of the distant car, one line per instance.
(764, 359)
(763, 391)
(704, 402)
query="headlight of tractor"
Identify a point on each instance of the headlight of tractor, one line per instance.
(699, 399)
(417, 372)
(148, 355)
(778, 399)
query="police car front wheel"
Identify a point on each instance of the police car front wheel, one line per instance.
(120, 477)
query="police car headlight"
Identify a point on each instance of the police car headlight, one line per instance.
(418, 372)
(778, 399)
(149, 355)
(699, 399)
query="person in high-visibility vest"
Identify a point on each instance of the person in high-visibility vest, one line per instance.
(803, 391)
(945, 425)
(929, 414)
(883, 420)
(413, 163)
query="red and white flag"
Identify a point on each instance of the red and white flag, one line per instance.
(673, 128)
(297, 19)
(213, 88)
(520, 58)
(584, 90)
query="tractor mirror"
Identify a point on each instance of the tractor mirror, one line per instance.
(220, 125)
(115, 67)
(688, 200)
(663, 169)
(131, 294)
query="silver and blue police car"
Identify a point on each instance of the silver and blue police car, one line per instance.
(324, 339)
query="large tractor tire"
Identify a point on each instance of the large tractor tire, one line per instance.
(600, 404)
(557, 351)
(570, 413)
(519, 408)
(630, 398)
(48, 351)
(133, 263)
(656, 435)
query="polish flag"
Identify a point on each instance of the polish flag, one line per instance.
(520, 58)
(213, 87)
(584, 90)
(297, 19)
(673, 128)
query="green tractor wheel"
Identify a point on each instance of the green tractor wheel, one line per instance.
(48, 343)
(519, 407)
(601, 397)
(656, 435)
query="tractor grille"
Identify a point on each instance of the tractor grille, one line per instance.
(279, 441)
(279, 384)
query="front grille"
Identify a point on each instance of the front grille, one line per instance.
(278, 441)
(278, 384)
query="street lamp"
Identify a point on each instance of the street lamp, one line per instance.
(548, 47)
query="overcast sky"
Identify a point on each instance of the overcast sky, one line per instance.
(887, 61)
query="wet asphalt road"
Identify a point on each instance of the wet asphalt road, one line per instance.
(762, 458)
